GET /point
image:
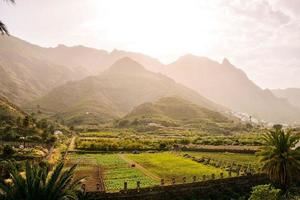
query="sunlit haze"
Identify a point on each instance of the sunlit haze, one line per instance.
(261, 37)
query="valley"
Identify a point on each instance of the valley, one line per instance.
(129, 125)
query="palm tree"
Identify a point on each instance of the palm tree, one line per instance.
(280, 160)
(38, 183)
(3, 28)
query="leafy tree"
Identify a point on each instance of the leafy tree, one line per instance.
(38, 183)
(26, 121)
(279, 158)
(123, 123)
(8, 151)
(19, 122)
(162, 146)
(51, 140)
(3, 28)
(260, 192)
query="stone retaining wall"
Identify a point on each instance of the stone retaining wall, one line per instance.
(210, 189)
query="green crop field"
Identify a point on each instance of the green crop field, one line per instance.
(99, 134)
(151, 167)
(237, 158)
(116, 171)
(168, 165)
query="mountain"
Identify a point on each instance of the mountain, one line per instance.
(95, 61)
(178, 112)
(291, 94)
(9, 113)
(229, 86)
(25, 74)
(28, 71)
(113, 93)
(176, 108)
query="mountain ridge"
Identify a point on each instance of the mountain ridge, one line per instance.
(29, 72)
(119, 90)
(176, 112)
(229, 86)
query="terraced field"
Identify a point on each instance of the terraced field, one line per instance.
(115, 171)
(112, 170)
(168, 165)
(237, 158)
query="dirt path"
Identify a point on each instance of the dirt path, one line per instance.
(100, 178)
(72, 144)
(140, 167)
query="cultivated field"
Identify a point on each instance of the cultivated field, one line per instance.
(110, 171)
(113, 171)
(153, 158)
(168, 165)
(237, 158)
(127, 139)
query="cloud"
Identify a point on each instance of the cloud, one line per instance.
(259, 11)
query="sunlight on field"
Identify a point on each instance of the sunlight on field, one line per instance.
(169, 165)
(238, 158)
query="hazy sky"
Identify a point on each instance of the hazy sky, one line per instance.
(260, 36)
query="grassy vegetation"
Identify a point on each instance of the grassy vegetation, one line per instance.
(250, 139)
(169, 165)
(228, 158)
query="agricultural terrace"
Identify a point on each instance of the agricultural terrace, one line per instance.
(168, 165)
(118, 140)
(110, 170)
(237, 158)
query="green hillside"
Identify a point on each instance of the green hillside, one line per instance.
(9, 113)
(26, 74)
(113, 94)
(28, 71)
(177, 112)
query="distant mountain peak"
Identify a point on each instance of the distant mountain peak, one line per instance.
(194, 60)
(116, 51)
(61, 46)
(126, 64)
(226, 62)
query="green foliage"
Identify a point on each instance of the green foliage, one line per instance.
(279, 158)
(233, 139)
(38, 183)
(8, 151)
(260, 192)
(27, 126)
(26, 121)
(130, 139)
(10, 114)
(162, 146)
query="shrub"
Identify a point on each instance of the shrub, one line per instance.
(8, 151)
(162, 146)
(265, 192)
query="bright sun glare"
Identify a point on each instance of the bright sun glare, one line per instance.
(158, 27)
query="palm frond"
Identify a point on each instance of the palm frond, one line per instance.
(3, 29)
(38, 184)
(278, 157)
(11, 1)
